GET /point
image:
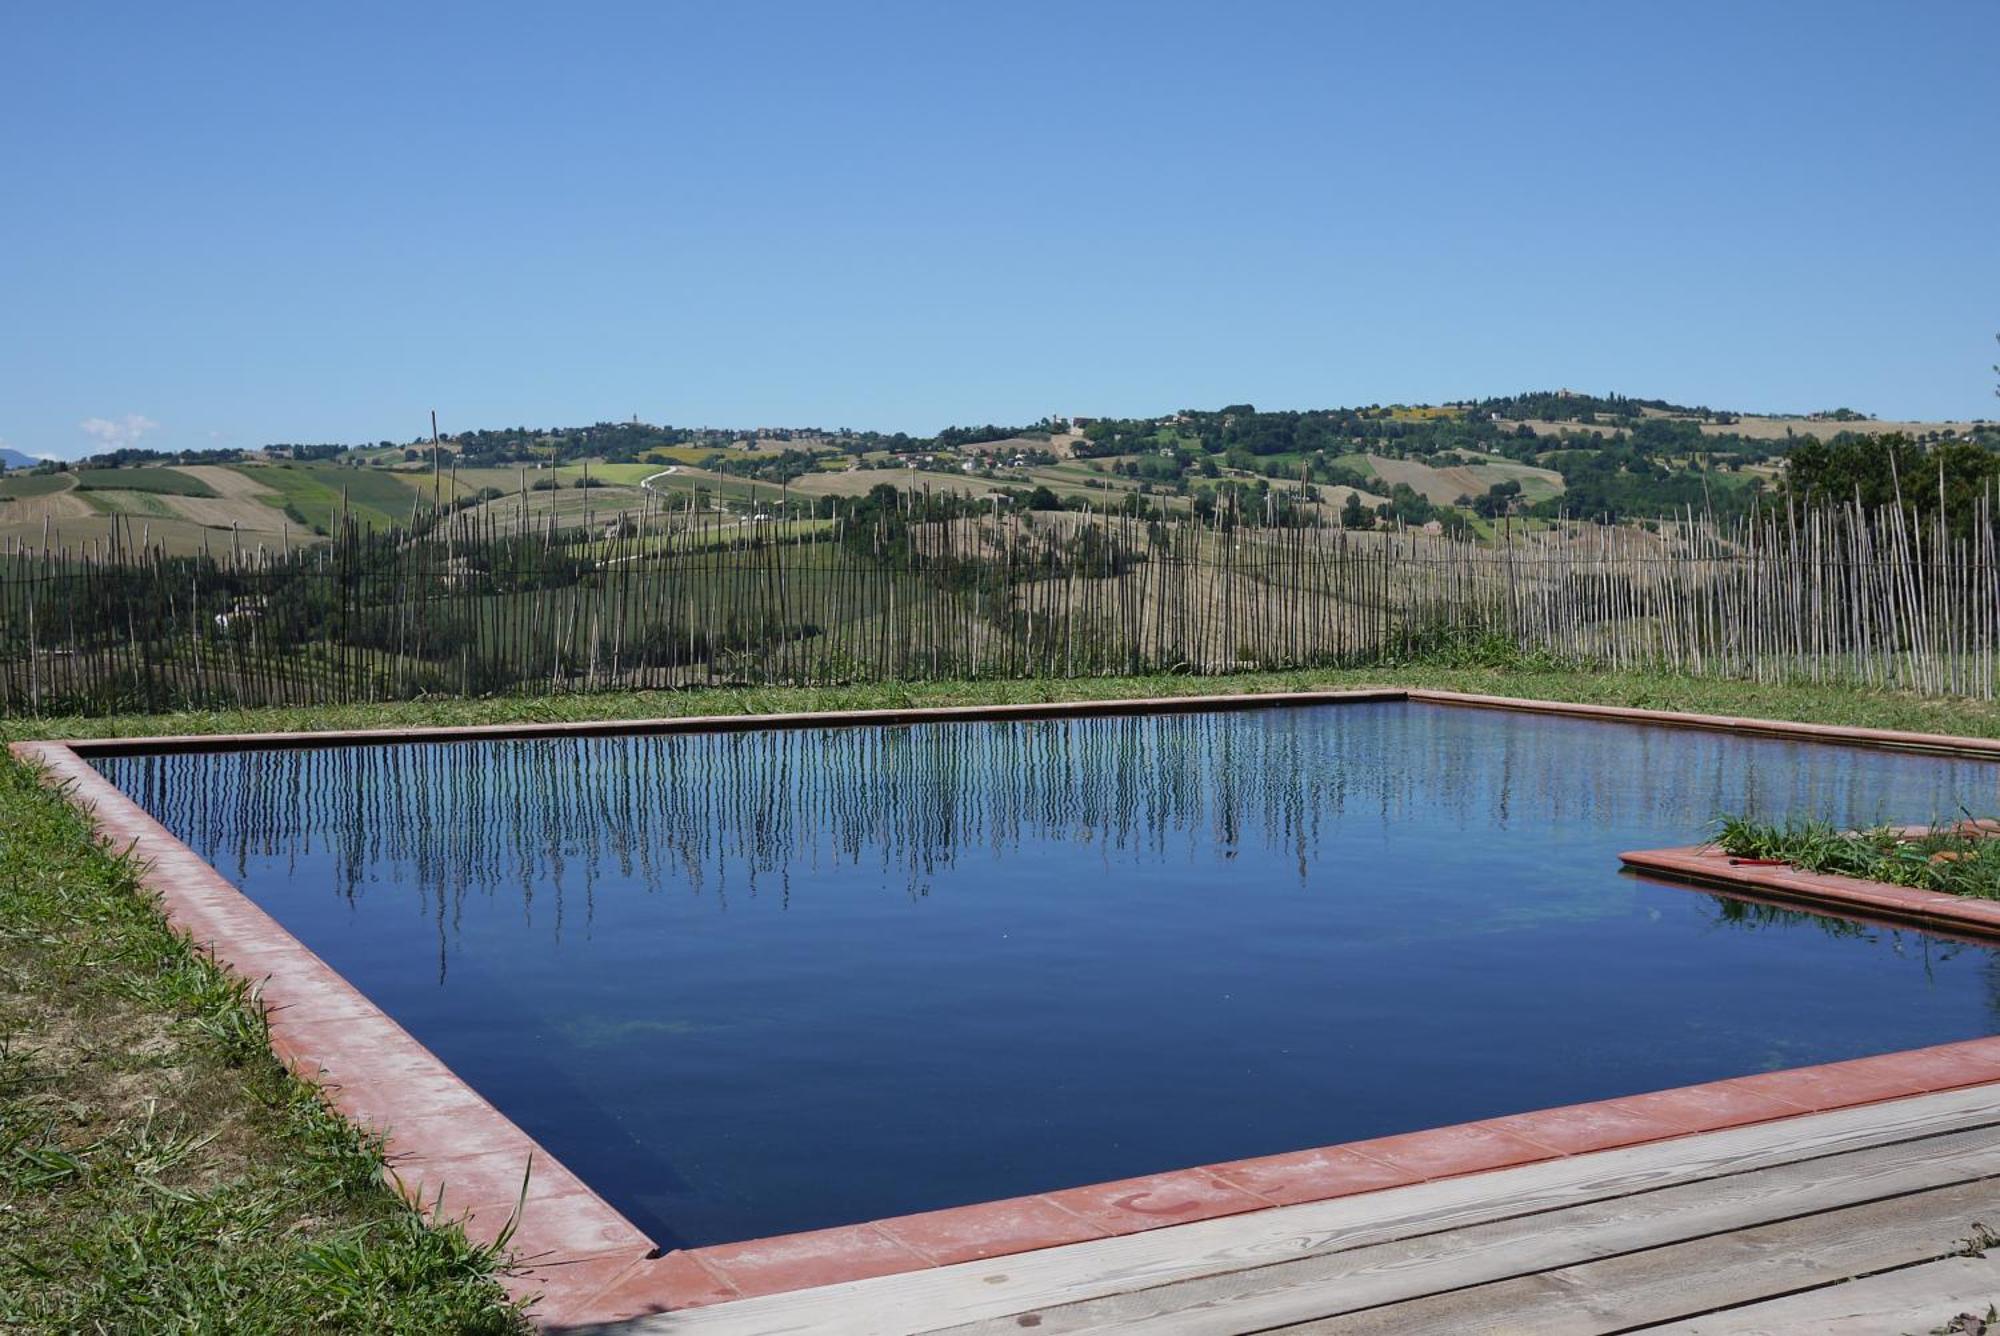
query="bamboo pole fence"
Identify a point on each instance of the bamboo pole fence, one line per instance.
(503, 598)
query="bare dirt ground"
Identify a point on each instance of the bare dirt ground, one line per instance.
(1335, 495)
(1760, 428)
(1062, 446)
(236, 504)
(57, 506)
(1444, 486)
(1776, 429)
(223, 512)
(177, 536)
(1557, 429)
(225, 481)
(862, 481)
(26, 518)
(180, 524)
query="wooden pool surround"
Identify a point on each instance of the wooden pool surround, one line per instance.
(581, 1263)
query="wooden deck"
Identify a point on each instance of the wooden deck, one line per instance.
(1850, 1221)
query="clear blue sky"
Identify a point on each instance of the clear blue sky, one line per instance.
(284, 222)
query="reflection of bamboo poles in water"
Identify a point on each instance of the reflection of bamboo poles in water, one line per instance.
(671, 595)
(756, 813)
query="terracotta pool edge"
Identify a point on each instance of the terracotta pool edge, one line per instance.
(1708, 865)
(1893, 739)
(783, 1264)
(439, 1134)
(727, 723)
(1933, 744)
(581, 1283)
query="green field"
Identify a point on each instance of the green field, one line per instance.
(682, 454)
(151, 504)
(721, 486)
(627, 474)
(164, 481)
(509, 479)
(376, 498)
(23, 486)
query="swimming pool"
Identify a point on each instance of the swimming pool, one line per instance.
(753, 982)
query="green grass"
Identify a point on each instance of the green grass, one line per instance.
(1469, 668)
(109, 502)
(25, 485)
(1943, 860)
(626, 475)
(159, 1171)
(165, 481)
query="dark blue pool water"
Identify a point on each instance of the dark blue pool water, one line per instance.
(774, 981)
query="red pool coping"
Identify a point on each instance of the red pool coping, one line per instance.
(724, 723)
(1709, 865)
(581, 1263)
(1885, 739)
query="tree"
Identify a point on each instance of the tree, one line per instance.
(1892, 469)
(1354, 515)
(1498, 501)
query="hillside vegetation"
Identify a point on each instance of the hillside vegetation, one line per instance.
(1464, 468)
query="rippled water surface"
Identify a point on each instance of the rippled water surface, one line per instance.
(755, 982)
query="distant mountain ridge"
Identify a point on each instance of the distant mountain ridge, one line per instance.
(14, 459)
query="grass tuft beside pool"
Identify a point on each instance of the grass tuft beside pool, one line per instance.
(1951, 860)
(158, 1169)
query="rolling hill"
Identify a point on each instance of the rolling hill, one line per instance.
(1549, 455)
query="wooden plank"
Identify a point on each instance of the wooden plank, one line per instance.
(1395, 1273)
(1000, 1287)
(1686, 1280)
(1916, 1299)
